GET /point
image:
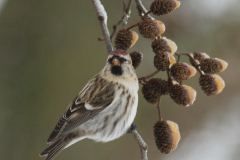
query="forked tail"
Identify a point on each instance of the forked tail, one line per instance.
(57, 146)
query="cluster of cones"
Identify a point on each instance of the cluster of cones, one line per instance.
(167, 133)
(210, 82)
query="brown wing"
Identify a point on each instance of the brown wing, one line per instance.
(98, 93)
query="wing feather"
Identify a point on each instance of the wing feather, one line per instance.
(98, 93)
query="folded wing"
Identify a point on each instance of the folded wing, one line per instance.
(96, 96)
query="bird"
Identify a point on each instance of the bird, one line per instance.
(103, 111)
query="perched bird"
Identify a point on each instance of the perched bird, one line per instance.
(103, 111)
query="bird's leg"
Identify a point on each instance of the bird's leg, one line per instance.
(132, 128)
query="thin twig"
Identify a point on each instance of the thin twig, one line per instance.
(142, 145)
(153, 74)
(143, 80)
(127, 12)
(192, 59)
(178, 58)
(148, 13)
(124, 5)
(135, 25)
(102, 17)
(141, 9)
(125, 17)
(170, 80)
(159, 109)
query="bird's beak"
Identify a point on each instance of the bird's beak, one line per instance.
(116, 62)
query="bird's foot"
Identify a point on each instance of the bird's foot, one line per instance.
(132, 128)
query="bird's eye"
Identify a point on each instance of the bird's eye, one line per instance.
(122, 60)
(110, 60)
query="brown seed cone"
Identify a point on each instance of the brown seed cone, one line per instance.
(161, 61)
(148, 28)
(175, 134)
(162, 7)
(200, 56)
(172, 59)
(211, 84)
(136, 58)
(172, 45)
(180, 71)
(163, 136)
(123, 39)
(210, 65)
(154, 88)
(163, 86)
(179, 95)
(160, 45)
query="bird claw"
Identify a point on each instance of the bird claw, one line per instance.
(132, 128)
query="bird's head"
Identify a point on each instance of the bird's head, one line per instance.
(119, 63)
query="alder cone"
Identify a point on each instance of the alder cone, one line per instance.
(180, 71)
(179, 95)
(164, 87)
(163, 137)
(210, 65)
(208, 85)
(162, 7)
(154, 88)
(200, 56)
(161, 61)
(150, 91)
(136, 58)
(148, 28)
(123, 39)
(160, 45)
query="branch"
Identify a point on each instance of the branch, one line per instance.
(102, 17)
(141, 9)
(192, 59)
(127, 13)
(143, 79)
(125, 17)
(142, 145)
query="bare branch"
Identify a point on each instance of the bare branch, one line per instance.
(125, 17)
(141, 9)
(102, 17)
(127, 13)
(143, 146)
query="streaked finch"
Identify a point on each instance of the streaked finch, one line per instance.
(103, 111)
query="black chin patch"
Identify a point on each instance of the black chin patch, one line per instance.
(117, 70)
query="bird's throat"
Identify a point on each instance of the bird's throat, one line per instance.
(117, 70)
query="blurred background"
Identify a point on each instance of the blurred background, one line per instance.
(49, 51)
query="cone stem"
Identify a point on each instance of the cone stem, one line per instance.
(159, 109)
(153, 74)
(147, 77)
(190, 57)
(178, 58)
(169, 76)
(135, 25)
(147, 13)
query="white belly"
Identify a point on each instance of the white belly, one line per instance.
(112, 122)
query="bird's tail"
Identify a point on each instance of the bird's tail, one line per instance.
(57, 146)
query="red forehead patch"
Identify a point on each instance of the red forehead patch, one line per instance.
(118, 52)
